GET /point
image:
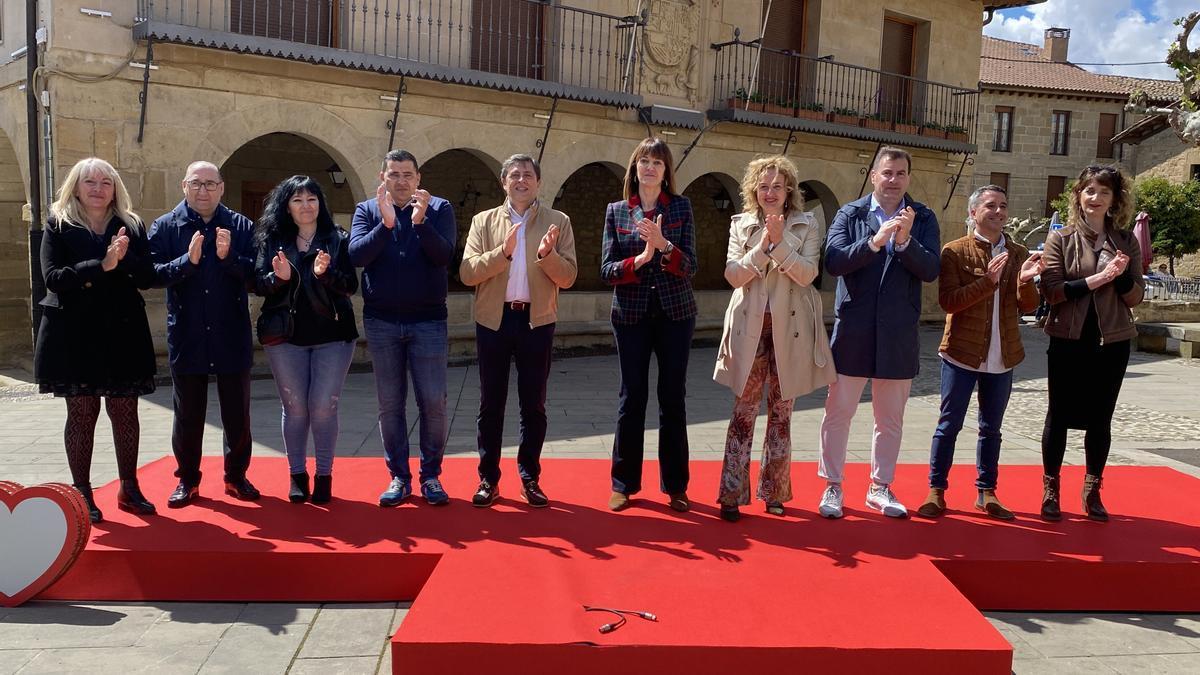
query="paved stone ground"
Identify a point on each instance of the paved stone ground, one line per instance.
(1158, 422)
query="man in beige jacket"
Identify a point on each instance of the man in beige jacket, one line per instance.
(518, 255)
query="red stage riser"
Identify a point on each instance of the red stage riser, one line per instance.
(503, 586)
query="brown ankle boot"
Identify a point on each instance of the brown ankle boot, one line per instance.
(935, 504)
(1092, 505)
(990, 504)
(1050, 509)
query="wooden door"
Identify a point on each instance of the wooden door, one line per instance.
(314, 22)
(783, 78)
(896, 59)
(508, 37)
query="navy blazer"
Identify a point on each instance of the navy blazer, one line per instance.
(876, 312)
(208, 318)
(671, 275)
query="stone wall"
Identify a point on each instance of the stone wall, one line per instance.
(470, 186)
(584, 197)
(15, 327)
(1030, 162)
(1166, 156)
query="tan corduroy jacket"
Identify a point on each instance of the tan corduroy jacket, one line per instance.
(485, 267)
(967, 295)
(785, 275)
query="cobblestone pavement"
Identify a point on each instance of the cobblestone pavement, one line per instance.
(1158, 422)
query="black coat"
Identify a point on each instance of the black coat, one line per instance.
(94, 338)
(323, 309)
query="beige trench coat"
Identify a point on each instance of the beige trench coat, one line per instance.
(785, 275)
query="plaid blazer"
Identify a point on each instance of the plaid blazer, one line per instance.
(670, 275)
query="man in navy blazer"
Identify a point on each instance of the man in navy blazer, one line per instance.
(880, 247)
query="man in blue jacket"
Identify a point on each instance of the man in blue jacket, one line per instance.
(404, 240)
(881, 247)
(204, 256)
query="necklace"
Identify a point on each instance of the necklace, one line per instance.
(307, 240)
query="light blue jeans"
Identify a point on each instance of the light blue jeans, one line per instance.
(310, 382)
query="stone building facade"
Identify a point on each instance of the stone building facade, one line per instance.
(264, 99)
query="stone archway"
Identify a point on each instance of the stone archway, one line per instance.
(583, 197)
(824, 204)
(470, 180)
(252, 170)
(715, 199)
(16, 334)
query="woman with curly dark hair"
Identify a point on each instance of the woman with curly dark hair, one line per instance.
(307, 326)
(1093, 277)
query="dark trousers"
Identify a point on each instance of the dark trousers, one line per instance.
(669, 341)
(191, 408)
(957, 387)
(1084, 379)
(530, 349)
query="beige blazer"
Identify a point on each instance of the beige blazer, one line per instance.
(485, 267)
(785, 275)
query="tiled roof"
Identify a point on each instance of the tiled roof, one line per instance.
(1159, 91)
(1004, 63)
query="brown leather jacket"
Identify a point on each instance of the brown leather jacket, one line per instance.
(967, 295)
(1069, 256)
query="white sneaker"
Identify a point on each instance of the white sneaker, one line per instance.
(881, 498)
(831, 501)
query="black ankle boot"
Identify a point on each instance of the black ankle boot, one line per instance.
(322, 489)
(1050, 508)
(131, 499)
(1092, 505)
(299, 492)
(93, 511)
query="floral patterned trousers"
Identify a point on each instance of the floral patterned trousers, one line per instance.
(774, 480)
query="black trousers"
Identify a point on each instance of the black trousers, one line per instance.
(530, 348)
(669, 341)
(191, 408)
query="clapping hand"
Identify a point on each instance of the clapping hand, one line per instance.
(387, 206)
(651, 232)
(996, 267)
(774, 232)
(510, 240)
(223, 239)
(548, 241)
(904, 223)
(283, 268)
(116, 251)
(420, 202)
(1117, 265)
(1034, 265)
(195, 247)
(321, 263)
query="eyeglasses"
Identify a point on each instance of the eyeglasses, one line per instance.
(207, 186)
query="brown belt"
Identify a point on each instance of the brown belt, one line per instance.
(517, 306)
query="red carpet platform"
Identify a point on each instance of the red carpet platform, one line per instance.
(505, 586)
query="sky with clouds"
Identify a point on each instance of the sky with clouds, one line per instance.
(1103, 31)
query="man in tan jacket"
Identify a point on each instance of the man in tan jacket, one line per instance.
(518, 255)
(986, 283)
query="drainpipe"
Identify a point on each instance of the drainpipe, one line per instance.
(37, 283)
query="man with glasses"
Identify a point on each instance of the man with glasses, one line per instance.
(204, 256)
(404, 239)
(518, 256)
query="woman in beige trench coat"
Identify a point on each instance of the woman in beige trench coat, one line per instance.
(774, 336)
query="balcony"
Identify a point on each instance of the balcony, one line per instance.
(787, 90)
(528, 46)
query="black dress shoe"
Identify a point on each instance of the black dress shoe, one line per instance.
(131, 499)
(532, 493)
(322, 489)
(242, 489)
(94, 513)
(183, 495)
(486, 495)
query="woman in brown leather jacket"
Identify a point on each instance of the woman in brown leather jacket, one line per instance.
(1092, 279)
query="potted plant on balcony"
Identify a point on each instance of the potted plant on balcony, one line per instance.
(779, 106)
(877, 121)
(812, 110)
(955, 132)
(907, 127)
(844, 116)
(758, 101)
(930, 128)
(738, 98)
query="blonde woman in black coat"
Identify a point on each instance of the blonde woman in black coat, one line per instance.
(94, 341)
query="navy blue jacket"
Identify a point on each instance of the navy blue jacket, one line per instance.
(208, 318)
(671, 276)
(405, 276)
(876, 315)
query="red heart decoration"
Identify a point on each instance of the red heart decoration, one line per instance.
(44, 528)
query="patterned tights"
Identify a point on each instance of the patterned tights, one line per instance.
(80, 434)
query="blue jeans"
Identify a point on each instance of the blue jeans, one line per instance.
(398, 350)
(310, 382)
(957, 385)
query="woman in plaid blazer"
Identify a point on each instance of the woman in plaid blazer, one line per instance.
(649, 258)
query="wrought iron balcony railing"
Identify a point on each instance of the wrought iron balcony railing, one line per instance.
(763, 86)
(522, 45)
